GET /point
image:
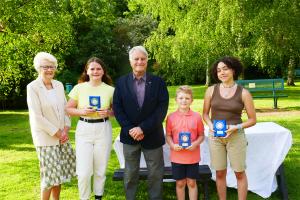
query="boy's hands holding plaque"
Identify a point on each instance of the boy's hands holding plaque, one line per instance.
(177, 147)
(191, 147)
(184, 139)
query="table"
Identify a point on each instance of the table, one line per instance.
(268, 144)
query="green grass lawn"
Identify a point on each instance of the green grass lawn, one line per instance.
(19, 169)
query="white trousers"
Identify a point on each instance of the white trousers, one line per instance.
(93, 146)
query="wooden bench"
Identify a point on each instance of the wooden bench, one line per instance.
(264, 88)
(204, 176)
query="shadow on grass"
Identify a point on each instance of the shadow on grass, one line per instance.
(15, 131)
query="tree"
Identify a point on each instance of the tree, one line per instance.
(191, 34)
(28, 27)
(72, 30)
(188, 38)
(93, 22)
(276, 35)
(132, 30)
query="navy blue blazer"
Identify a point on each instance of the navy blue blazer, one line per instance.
(149, 117)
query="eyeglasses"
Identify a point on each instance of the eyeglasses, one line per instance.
(48, 67)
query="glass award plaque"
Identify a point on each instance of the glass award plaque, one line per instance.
(219, 128)
(95, 102)
(184, 139)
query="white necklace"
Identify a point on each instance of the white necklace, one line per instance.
(227, 91)
(230, 86)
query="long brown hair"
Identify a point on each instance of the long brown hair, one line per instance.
(85, 78)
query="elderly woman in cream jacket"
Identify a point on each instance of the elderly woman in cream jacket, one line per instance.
(49, 127)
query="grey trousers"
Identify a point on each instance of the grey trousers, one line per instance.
(155, 165)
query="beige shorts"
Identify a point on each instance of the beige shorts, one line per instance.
(235, 146)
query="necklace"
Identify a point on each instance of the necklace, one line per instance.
(227, 90)
(48, 84)
(230, 86)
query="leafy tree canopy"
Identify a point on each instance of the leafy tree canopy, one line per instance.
(28, 27)
(192, 34)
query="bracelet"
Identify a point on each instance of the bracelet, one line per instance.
(239, 127)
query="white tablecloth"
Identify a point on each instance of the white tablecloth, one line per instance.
(268, 144)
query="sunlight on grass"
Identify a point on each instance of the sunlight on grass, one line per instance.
(12, 156)
(14, 112)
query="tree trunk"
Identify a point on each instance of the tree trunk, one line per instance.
(207, 83)
(291, 72)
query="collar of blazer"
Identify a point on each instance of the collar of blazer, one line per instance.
(42, 85)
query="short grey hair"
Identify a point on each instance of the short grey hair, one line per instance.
(43, 56)
(137, 48)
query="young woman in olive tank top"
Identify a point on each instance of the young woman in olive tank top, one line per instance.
(225, 101)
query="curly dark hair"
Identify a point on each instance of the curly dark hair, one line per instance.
(85, 78)
(232, 63)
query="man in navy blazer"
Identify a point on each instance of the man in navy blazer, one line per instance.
(140, 105)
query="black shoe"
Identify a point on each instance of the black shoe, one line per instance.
(98, 197)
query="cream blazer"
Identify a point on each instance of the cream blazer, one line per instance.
(46, 119)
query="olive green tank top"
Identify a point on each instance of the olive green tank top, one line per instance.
(228, 109)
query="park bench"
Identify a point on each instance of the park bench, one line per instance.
(264, 88)
(297, 73)
(204, 176)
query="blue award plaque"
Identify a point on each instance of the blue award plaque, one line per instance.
(219, 128)
(184, 139)
(95, 102)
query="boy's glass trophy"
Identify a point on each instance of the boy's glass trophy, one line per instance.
(95, 102)
(184, 139)
(219, 128)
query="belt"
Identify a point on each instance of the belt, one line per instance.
(93, 120)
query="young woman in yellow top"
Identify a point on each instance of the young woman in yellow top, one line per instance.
(93, 135)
